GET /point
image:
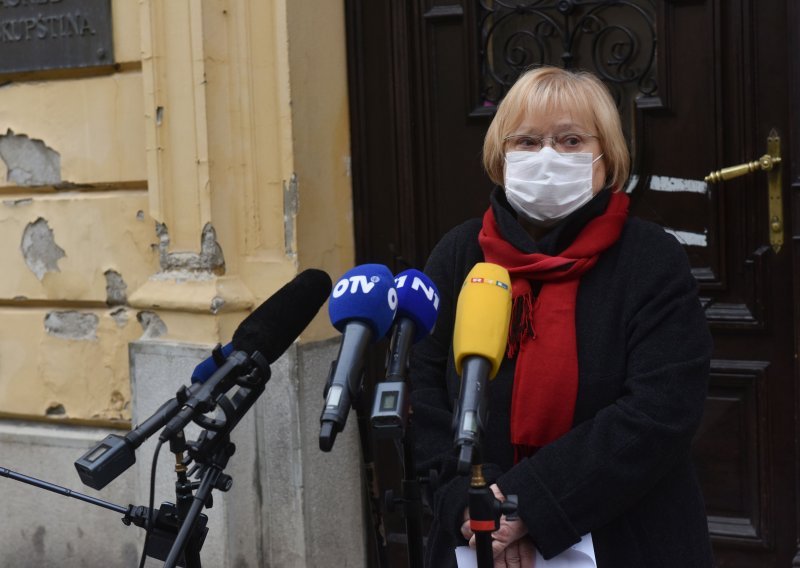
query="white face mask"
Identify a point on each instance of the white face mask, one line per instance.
(545, 186)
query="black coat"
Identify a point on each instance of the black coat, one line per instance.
(623, 471)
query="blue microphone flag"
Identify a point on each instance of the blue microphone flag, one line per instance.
(418, 300)
(364, 294)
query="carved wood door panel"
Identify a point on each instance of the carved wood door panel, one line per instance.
(724, 88)
(701, 85)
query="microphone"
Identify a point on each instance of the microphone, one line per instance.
(274, 325)
(266, 333)
(254, 331)
(417, 301)
(417, 308)
(203, 371)
(483, 313)
(362, 307)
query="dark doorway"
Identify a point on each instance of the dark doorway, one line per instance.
(701, 84)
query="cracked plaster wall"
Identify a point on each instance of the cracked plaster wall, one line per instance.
(70, 363)
(29, 162)
(97, 126)
(73, 132)
(76, 246)
(39, 248)
(75, 395)
(62, 250)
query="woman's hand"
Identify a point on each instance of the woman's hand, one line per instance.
(509, 531)
(509, 545)
(518, 554)
(466, 531)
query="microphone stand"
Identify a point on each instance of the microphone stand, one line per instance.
(370, 480)
(412, 504)
(64, 491)
(484, 509)
(483, 519)
(412, 494)
(183, 499)
(389, 420)
(210, 453)
(189, 509)
(165, 524)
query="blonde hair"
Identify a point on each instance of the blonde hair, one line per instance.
(550, 89)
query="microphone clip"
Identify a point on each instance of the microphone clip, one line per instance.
(390, 410)
(217, 355)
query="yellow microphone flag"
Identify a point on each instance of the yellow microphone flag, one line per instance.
(482, 315)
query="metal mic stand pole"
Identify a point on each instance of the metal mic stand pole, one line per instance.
(470, 419)
(484, 509)
(184, 499)
(162, 530)
(481, 516)
(390, 417)
(64, 491)
(412, 503)
(370, 479)
(211, 453)
(212, 478)
(397, 369)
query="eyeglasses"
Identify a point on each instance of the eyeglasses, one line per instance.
(567, 142)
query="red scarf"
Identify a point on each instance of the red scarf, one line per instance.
(542, 330)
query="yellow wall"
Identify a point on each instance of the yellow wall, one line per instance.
(219, 117)
(321, 134)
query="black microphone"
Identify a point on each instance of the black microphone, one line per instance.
(267, 332)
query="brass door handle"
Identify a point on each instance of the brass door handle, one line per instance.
(770, 163)
(765, 163)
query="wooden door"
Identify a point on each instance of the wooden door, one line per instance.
(701, 85)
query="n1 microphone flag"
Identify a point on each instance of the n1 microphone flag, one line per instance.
(417, 300)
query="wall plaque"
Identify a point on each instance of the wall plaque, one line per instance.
(36, 35)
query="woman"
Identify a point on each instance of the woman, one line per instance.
(592, 413)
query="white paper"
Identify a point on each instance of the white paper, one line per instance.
(580, 555)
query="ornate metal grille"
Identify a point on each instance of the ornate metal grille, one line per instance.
(615, 39)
